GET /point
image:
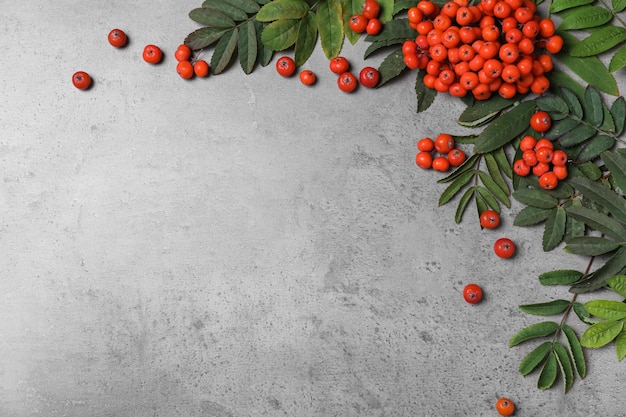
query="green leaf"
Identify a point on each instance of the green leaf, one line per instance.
(618, 60)
(463, 202)
(204, 37)
(559, 5)
(483, 111)
(283, 10)
(348, 9)
(602, 333)
(495, 188)
(585, 17)
(234, 12)
(488, 198)
(456, 186)
(247, 46)
(505, 128)
(561, 127)
(618, 5)
(264, 53)
(583, 314)
(575, 350)
(577, 135)
(386, 11)
(586, 170)
(560, 277)
(535, 198)
(306, 40)
(574, 227)
(481, 204)
(397, 29)
(534, 358)
(618, 111)
(572, 101)
(534, 331)
(530, 216)
(592, 149)
(554, 105)
(616, 165)
(503, 162)
(593, 106)
(248, 6)
(561, 79)
(425, 96)
(466, 166)
(545, 309)
(608, 124)
(620, 345)
(377, 45)
(598, 221)
(589, 68)
(590, 246)
(280, 34)
(548, 373)
(602, 195)
(565, 365)
(494, 171)
(330, 26)
(614, 266)
(224, 51)
(400, 5)
(554, 230)
(392, 66)
(599, 41)
(211, 17)
(618, 284)
(606, 309)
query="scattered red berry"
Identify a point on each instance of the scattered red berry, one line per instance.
(505, 407)
(307, 77)
(339, 65)
(183, 53)
(347, 82)
(152, 54)
(472, 293)
(285, 66)
(81, 80)
(489, 219)
(504, 248)
(369, 77)
(201, 68)
(117, 38)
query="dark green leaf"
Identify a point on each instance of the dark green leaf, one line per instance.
(224, 51)
(392, 66)
(463, 202)
(554, 230)
(378, 45)
(466, 166)
(548, 373)
(495, 188)
(565, 365)
(234, 12)
(572, 101)
(534, 331)
(394, 30)
(455, 187)
(247, 46)
(618, 284)
(595, 147)
(577, 135)
(280, 34)
(599, 41)
(620, 345)
(560, 79)
(494, 171)
(614, 266)
(585, 17)
(618, 111)
(618, 60)
(248, 6)
(583, 314)
(400, 5)
(606, 309)
(283, 10)
(503, 162)
(590, 245)
(545, 309)
(481, 204)
(573, 227)
(483, 111)
(530, 216)
(559, 5)
(386, 11)
(586, 170)
(488, 198)
(602, 195)
(307, 38)
(554, 105)
(211, 17)
(608, 124)
(264, 53)
(618, 5)
(602, 333)
(598, 221)
(203, 37)
(616, 165)
(534, 358)
(535, 198)
(505, 128)
(560, 277)
(593, 106)
(330, 26)
(575, 350)
(425, 96)
(589, 68)
(561, 127)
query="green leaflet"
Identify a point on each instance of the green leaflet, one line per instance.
(224, 51)
(248, 6)
(377, 45)
(595, 147)
(535, 198)
(481, 112)
(203, 37)
(211, 17)
(463, 202)
(620, 345)
(264, 53)
(425, 96)
(546, 309)
(614, 266)
(573, 227)
(585, 17)
(560, 79)
(602, 195)
(494, 171)
(575, 350)
(602, 333)
(386, 11)
(554, 230)
(495, 189)
(589, 68)
(606, 309)
(572, 101)
(348, 9)
(555, 105)
(548, 373)
(590, 245)
(561, 127)
(530, 216)
(395, 29)
(560, 277)
(234, 12)
(559, 5)
(280, 34)
(618, 60)
(598, 221)
(599, 41)
(306, 39)
(283, 9)
(503, 162)
(505, 128)
(565, 366)
(608, 124)
(618, 5)
(247, 48)
(330, 26)
(577, 135)
(618, 284)
(616, 165)
(456, 186)
(594, 113)
(534, 331)
(466, 166)
(618, 111)
(583, 315)
(586, 170)
(488, 198)
(535, 358)
(392, 66)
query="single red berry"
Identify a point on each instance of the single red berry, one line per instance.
(505, 407)
(152, 54)
(472, 293)
(371, 9)
(81, 80)
(369, 77)
(339, 65)
(307, 77)
(504, 247)
(285, 66)
(201, 68)
(540, 121)
(183, 53)
(117, 38)
(185, 69)
(489, 219)
(347, 82)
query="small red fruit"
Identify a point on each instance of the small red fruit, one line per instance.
(347, 82)
(285, 66)
(472, 293)
(505, 407)
(369, 77)
(117, 38)
(183, 53)
(201, 68)
(489, 219)
(374, 26)
(307, 77)
(444, 143)
(152, 54)
(81, 80)
(184, 69)
(424, 160)
(540, 121)
(504, 247)
(339, 65)
(456, 157)
(426, 144)
(441, 164)
(358, 23)
(371, 9)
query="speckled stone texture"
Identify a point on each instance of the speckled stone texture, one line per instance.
(242, 246)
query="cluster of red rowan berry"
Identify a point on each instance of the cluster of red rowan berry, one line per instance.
(539, 156)
(494, 46)
(187, 67)
(367, 21)
(443, 145)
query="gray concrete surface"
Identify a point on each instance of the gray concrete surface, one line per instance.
(241, 245)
